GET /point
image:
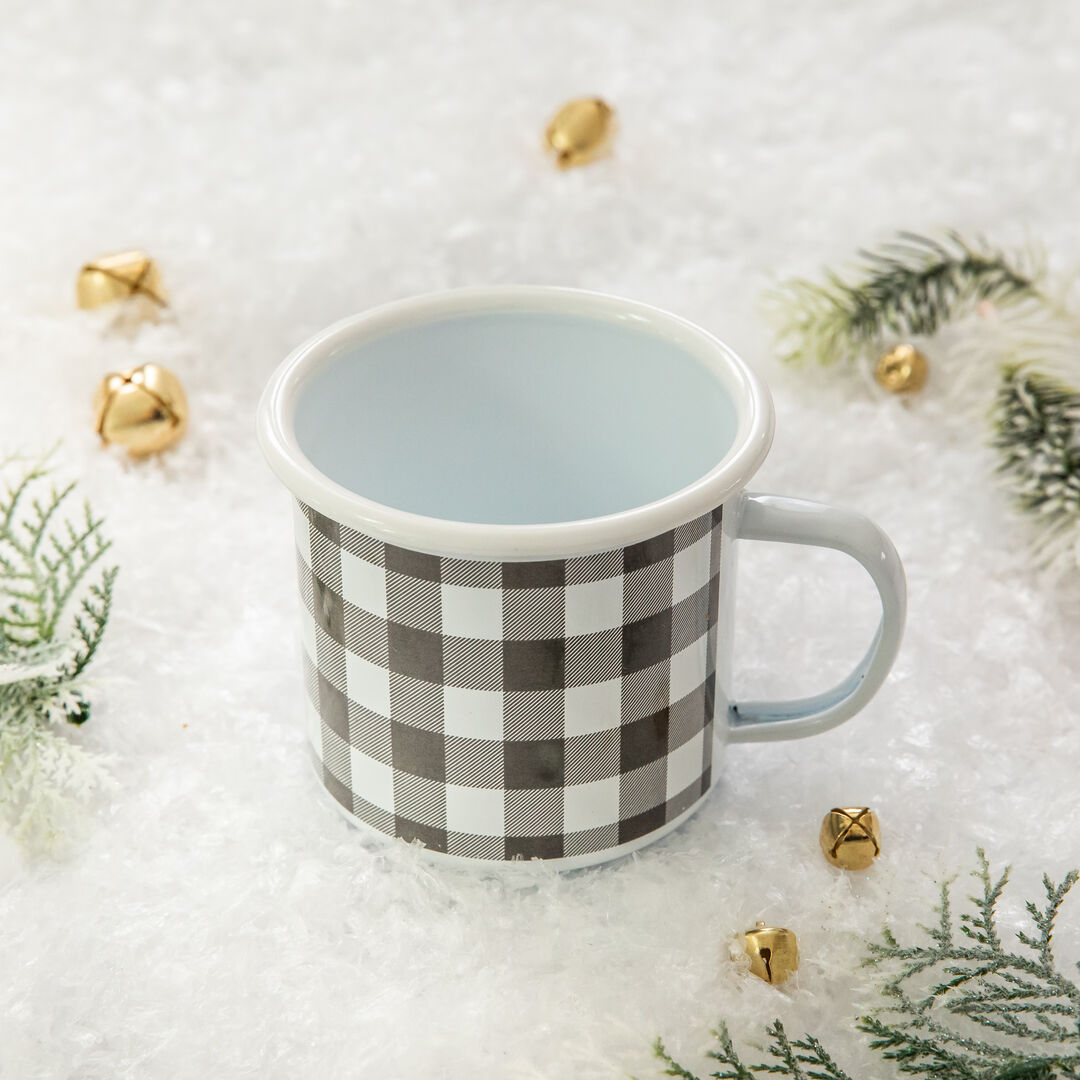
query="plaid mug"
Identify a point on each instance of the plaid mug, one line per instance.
(516, 511)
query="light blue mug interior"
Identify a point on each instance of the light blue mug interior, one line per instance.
(515, 418)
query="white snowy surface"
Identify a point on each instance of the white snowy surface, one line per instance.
(289, 164)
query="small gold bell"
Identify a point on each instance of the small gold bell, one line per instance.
(580, 131)
(116, 277)
(773, 952)
(902, 370)
(851, 837)
(143, 410)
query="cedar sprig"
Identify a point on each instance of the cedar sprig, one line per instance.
(909, 287)
(800, 1059)
(52, 622)
(964, 1004)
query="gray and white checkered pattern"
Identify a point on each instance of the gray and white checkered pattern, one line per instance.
(511, 710)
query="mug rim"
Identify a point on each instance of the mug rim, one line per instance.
(475, 540)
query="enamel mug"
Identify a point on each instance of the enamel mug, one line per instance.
(517, 511)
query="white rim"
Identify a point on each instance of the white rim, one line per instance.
(437, 536)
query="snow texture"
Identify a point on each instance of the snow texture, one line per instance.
(290, 164)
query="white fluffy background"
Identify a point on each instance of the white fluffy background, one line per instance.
(291, 164)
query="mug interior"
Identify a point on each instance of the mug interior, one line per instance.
(515, 417)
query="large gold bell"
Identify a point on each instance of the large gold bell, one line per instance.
(117, 277)
(144, 409)
(773, 952)
(580, 131)
(851, 837)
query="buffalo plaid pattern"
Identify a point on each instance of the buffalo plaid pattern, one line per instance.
(511, 710)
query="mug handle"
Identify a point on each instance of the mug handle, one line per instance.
(798, 521)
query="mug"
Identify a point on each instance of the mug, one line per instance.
(516, 515)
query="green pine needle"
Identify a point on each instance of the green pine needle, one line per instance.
(908, 288)
(964, 1004)
(1036, 431)
(915, 286)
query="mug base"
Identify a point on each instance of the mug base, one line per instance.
(517, 866)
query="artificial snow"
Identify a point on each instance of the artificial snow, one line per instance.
(291, 164)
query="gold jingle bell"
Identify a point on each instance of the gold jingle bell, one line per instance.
(851, 837)
(580, 131)
(143, 410)
(902, 370)
(117, 277)
(773, 952)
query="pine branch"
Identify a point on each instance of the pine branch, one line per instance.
(982, 926)
(1007, 993)
(44, 565)
(1028, 1008)
(727, 1055)
(915, 1053)
(1036, 430)
(9, 506)
(96, 607)
(822, 1066)
(74, 555)
(910, 287)
(44, 777)
(789, 1058)
(1045, 918)
(788, 1062)
(39, 529)
(673, 1068)
(913, 288)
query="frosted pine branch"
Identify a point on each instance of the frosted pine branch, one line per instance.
(908, 288)
(45, 565)
(940, 997)
(1037, 434)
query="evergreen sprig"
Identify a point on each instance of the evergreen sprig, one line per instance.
(800, 1059)
(963, 1005)
(1036, 430)
(915, 286)
(909, 287)
(45, 563)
